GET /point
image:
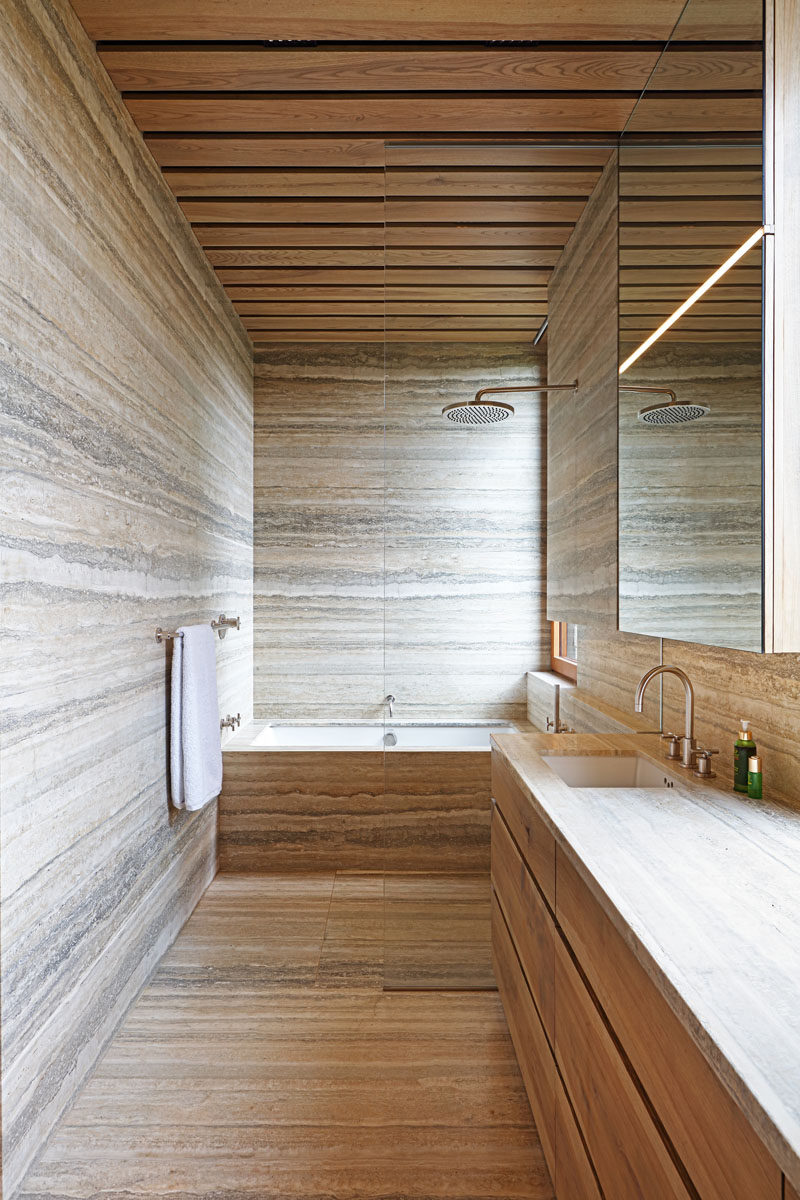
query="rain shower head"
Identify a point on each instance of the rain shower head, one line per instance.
(476, 412)
(489, 412)
(670, 412)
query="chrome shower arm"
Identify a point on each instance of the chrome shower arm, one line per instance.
(531, 387)
(654, 391)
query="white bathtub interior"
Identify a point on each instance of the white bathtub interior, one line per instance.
(373, 737)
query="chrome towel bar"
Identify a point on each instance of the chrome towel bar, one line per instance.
(222, 625)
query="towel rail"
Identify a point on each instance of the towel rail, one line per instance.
(221, 625)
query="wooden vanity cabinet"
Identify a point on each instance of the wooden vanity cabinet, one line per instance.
(523, 952)
(622, 1096)
(713, 1139)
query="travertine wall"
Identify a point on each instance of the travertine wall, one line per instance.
(394, 554)
(125, 380)
(582, 426)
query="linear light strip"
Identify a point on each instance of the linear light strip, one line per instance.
(695, 296)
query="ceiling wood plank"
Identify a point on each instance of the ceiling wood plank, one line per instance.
(399, 335)
(449, 295)
(368, 20)
(299, 212)
(399, 309)
(695, 182)
(697, 112)
(324, 321)
(541, 236)
(488, 212)
(696, 208)
(425, 68)
(492, 181)
(202, 182)
(495, 256)
(709, 234)
(239, 281)
(490, 113)
(726, 68)
(300, 257)
(495, 155)
(215, 150)
(271, 236)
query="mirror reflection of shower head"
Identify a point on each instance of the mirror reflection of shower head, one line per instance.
(671, 412)
(490, 412)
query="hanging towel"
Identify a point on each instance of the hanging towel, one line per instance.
(195, 751)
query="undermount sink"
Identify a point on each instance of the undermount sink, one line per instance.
(606, 771)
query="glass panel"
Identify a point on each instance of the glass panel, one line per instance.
(690, 439)
(464, 612)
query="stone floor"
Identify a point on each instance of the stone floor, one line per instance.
(265, 1058)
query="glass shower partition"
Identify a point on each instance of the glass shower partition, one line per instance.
(446, 563)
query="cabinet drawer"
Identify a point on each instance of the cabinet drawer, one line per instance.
(790, 1193)
(574, 1177)
(529, 922)
(533, 1053)
(722, 1155)
(630, 1158)
(530, 832)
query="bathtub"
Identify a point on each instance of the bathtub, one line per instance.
(392, 736)
(320, 797)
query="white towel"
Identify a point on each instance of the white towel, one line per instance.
(195, 750)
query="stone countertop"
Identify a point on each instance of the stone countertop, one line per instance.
(704, 886)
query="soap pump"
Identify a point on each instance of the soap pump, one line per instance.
(743, 748)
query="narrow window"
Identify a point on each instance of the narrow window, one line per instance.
(564, 652)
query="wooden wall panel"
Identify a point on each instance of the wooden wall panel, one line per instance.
(582, 428)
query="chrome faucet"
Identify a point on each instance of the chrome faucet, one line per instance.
(391, 702)
(688, 744)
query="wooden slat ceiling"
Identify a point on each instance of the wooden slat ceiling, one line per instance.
(352, 167)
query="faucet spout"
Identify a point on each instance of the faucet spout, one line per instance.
(390, 700)
(688, 744)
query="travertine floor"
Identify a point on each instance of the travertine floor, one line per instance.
(265, 1060)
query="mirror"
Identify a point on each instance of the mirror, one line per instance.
(690, 442)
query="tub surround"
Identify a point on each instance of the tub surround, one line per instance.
(393, 554)
(126, 385)
(340, 807)
(702, 886)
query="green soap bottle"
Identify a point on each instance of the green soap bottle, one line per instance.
(743, 748)
(754, 778)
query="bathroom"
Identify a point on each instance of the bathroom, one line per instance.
(435, 371)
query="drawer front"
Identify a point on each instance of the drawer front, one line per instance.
(791, 1193)
(629, 1156)
(574, 1177)
(721, 1153)
(533, 1053)
(530, 832)
(529, 922)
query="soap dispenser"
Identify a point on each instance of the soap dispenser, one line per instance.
(743, 748)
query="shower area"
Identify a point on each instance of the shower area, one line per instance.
(398, 585)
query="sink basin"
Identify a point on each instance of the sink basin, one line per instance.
(606, 771)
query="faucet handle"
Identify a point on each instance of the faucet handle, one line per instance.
(703, 770)
(674, 747)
